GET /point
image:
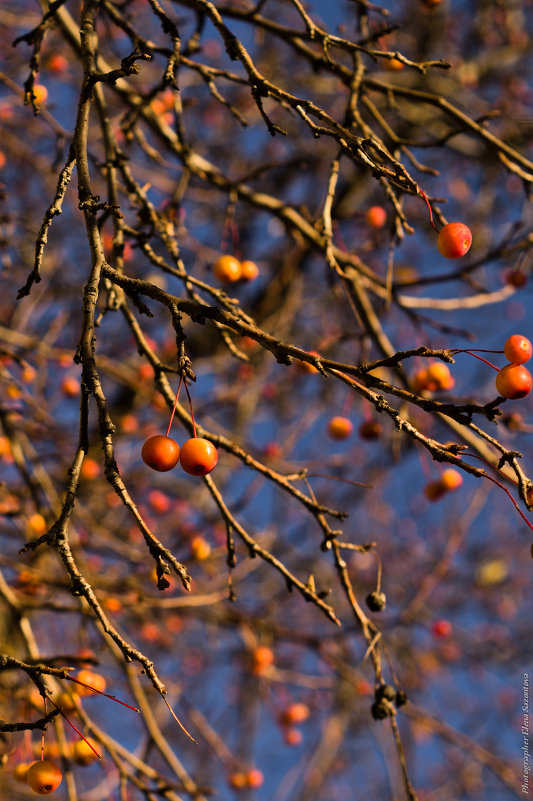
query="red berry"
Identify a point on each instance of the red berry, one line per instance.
(294, 714)
(292, 736)
(454, 240)
(340, 427)
(370, 429)
(441, 628)
(44, 777)
(198, 456)
(160, 453)
(516, 278)
(434, 490)
(376, 217)
(518, 349)
(254, 778)
(514, 381)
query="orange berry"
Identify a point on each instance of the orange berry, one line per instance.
(159, 501)
(200, 549)
(70, 387)
(518, 349)
(41, 93)
(308, 368)
(82, 753)
(3, 159)
(294, 714)
(249, 270)
(514, 381)
(44, 777)
(292, 736)
(454, 240)
(37, 524)
(254, 778)
(238, 780)
(227, 269)
(198, 456)
(340, 427)
(90, 469)
(376, 217)
(439, 374)
(394, 64)
(420, 380)
(160, 453)
(262, 660)
(20, 771)
(68, 702)
(95, 681)
(451, 479)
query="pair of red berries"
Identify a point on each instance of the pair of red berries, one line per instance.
(197, 456)
(514, 380)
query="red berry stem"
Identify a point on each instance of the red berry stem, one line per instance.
(107, 695)
(235, 240)
(70, 723)
(499, 484)
(192, 410)
(174, 407)
(481, 359)
(520, 512)
(42, 732)
(430, 210)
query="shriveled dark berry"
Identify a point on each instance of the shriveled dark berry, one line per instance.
(385, 691)
(401, 698)
(379, 710)
(376, 601)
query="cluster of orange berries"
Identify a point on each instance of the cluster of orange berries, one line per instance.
(228, 269)
(292, 716)
(449, 481)
(514, 380)
(197, 455)
(433, 378)
(340, 427)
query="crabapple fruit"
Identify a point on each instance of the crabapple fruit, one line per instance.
(376, 217)
(454, 240)
(198, 456)
(249, 270)
(227, 269)
(160, 453)
(518, 349)
(514, 381)
(451, 479)
(370, 429)
(44, 777)
(294, 714)
(340, 428)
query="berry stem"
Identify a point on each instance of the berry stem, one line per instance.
(70, 723)
(499, 484)
(174, 407)
(107, 695)
(481, 359)
(430, 210)
(192, 410)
